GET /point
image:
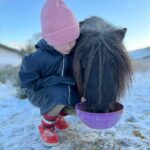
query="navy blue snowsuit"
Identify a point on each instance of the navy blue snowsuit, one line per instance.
(47, 76)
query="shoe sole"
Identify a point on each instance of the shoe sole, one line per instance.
(49, 145)
(63, 129)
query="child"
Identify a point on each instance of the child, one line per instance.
(46, 73)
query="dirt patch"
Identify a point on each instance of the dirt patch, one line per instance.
(138, 134)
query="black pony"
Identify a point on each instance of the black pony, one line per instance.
(102, 68)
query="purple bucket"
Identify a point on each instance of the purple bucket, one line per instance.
(99, 120)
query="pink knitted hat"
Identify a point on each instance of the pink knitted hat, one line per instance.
(59, 25)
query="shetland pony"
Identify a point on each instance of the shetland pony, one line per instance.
(101, 66)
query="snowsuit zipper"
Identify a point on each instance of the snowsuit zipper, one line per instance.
(69, 95)
(62, 74)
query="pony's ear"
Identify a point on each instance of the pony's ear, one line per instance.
(121, 33)
(81, 23)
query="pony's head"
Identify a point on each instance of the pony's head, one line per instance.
(102, 68)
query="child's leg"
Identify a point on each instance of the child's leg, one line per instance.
(47, 130)
(48, 120)
(56, 110)
(47, 127)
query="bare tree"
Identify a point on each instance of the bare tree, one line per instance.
(30, 46)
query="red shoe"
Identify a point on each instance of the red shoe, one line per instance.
(48, 136)
(61, 123)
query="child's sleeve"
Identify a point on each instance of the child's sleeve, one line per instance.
(28, 75)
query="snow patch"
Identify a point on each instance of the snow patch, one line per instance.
(19, 124)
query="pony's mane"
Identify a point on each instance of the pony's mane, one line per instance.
(101, 38)
(95, 24)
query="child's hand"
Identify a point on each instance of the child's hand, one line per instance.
(83, 99)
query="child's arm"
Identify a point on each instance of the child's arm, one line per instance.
(30, 77)
(53, 80)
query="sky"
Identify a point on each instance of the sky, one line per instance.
(20, 20)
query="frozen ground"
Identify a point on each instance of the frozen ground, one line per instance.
(19, 124)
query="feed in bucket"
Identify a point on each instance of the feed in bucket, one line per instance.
(99, 120)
